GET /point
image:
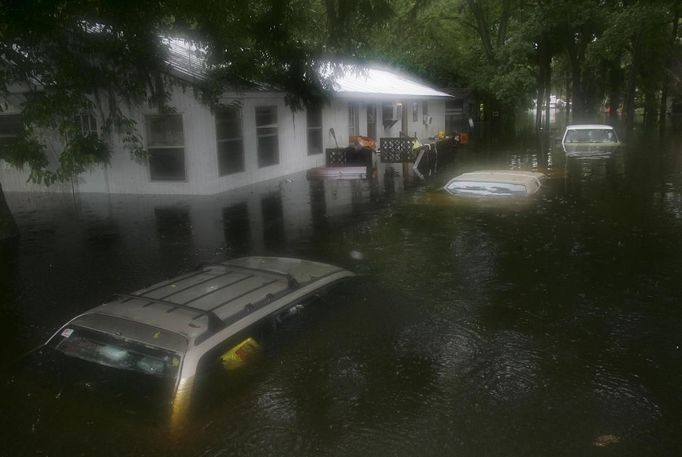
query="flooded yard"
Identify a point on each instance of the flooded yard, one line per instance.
(548, 327)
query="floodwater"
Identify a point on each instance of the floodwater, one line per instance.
(550, 327)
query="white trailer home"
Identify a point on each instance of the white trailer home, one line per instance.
(256, 137)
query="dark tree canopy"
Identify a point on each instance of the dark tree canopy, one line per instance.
(98, 56)
(513, 51)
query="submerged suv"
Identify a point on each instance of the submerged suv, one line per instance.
(170, 329)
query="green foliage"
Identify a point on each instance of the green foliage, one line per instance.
(25, 151)
(463, 44)
(497, 46)
(61, 59)
(81, 153)
(101, 57)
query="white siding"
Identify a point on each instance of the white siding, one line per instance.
(126, 175)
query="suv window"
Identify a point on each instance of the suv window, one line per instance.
(115, 352)
(213, 359)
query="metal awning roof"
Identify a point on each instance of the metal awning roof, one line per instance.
(188, 62)
(362, 81)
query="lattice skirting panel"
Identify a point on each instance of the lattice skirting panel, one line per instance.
(394, 150)
(335, 157)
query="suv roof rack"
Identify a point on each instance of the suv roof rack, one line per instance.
(214, 322)
(292, 283)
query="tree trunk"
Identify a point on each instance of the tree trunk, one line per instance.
(569, 101)
(650, 109)
(543, 83)
(577, 91)
(538, 104)
(666, 79)
(540, 91)
(629, 102)
(615, 91)
(613, 106)
(662, 113)
(548, 88)
(8, 228)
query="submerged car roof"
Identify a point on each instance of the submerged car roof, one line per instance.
(470, 183)
(207, 300)
(589, 127)
(502, 176)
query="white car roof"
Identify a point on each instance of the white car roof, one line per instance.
(503, 176)
(530, 180)
(608, 129)
(589, 127)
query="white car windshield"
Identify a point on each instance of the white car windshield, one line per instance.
(590, 136)
(118, 353)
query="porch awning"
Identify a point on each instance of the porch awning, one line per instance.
(373, 82)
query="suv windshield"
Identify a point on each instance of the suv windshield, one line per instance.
(115, 352)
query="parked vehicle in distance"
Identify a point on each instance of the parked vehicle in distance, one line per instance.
(173, 329)
(496, 183)
(589, 140)
(590, 134)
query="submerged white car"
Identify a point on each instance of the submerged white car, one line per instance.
(589, 140)
(501, 183)
(590, 134)
(176, 328)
